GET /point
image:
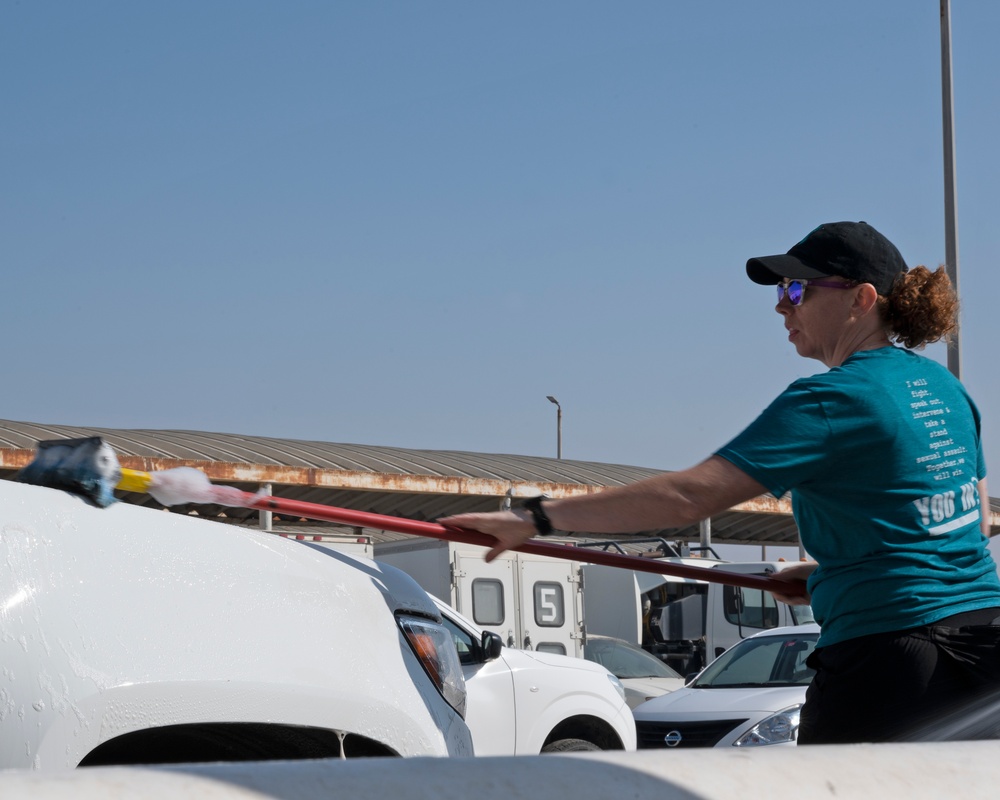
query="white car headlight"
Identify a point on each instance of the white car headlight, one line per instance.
(776, 729)
(435, 649)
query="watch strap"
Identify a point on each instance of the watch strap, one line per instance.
(543, 525)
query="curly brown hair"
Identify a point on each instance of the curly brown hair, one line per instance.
(921, 309)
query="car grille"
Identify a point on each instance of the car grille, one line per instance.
(693, 734)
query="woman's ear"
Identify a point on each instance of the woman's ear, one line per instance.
(865, 298)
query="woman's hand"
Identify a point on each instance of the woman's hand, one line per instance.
(509, 528)
(795, 575)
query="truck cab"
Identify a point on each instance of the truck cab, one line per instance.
(685, 622)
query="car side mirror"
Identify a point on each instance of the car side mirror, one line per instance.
(492, 645)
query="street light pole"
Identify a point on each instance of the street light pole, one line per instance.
(551, 399)
(950, 208)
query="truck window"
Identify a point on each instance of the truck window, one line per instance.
(751, 608)
(487, 601)
(549, 608)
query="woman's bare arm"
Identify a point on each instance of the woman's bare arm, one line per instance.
(670, 500)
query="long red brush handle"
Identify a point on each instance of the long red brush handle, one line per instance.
(435, 530)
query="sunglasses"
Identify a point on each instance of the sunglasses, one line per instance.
(796, 290)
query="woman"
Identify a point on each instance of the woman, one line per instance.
(883, 458)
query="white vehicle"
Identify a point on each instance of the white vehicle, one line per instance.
(129, 635)
(748, 697)
(531, 602)
(642, 674)
(553, 605)
(525, 703)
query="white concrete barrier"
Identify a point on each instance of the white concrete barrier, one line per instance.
(875, 772)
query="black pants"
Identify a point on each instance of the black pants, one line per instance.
(938, 682)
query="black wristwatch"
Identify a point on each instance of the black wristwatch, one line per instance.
(543, 525)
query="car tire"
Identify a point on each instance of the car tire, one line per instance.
(569, 746)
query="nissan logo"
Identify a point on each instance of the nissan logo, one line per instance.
(672, 739)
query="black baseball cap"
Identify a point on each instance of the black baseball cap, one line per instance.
(852, 250)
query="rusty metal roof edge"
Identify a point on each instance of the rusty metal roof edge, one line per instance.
(260, 450)
(11, 458)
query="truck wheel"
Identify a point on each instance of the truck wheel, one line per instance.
(569, 746)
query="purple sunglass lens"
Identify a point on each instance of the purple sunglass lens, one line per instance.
(794, 291)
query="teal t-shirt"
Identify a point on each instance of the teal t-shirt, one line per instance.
(882, 456)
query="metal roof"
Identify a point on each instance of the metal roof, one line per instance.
(417, 484)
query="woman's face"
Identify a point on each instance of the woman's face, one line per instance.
(817, 325)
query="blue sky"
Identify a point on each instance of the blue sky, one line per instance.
(406, 223)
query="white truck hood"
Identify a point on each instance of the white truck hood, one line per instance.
(399, 589)
(523, 658)
(122, 618)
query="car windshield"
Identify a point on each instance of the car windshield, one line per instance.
(762, 661)
(624, 660)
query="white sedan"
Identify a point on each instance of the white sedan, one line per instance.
(748, 697)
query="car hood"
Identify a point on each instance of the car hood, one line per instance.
(653, 686)
(702, 701)
(639, 690)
